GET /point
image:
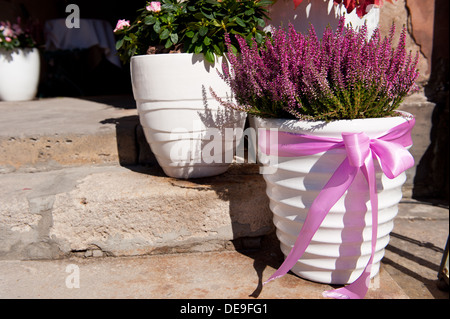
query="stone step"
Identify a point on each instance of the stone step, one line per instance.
(52, 133)
(120, 211)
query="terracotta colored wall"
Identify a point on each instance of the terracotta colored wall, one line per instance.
(418, 17)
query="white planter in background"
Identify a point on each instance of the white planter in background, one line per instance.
(320, 13)
(19, 74)
(180, 117)
(331, 257)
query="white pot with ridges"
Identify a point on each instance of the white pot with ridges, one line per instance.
(341, 247)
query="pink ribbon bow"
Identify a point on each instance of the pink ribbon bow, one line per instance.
(389, 149)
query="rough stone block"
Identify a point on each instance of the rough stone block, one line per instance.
(125, 212)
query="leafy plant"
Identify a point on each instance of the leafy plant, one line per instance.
(191, 26)
(14, 36)
(344, 75)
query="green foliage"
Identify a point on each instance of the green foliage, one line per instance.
(16, 35)
(193, 26)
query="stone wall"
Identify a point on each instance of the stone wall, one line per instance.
(418, 17)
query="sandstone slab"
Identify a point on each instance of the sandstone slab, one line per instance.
(124, 212)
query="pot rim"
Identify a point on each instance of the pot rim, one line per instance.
(293, 125)
(19, 50)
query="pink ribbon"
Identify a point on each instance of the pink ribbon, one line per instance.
(389, 149)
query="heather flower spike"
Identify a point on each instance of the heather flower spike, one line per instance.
(342, 76)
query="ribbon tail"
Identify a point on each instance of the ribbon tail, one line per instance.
(359, 288)
(339, 182)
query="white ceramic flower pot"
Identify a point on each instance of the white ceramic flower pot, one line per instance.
(333, 256)
(187, 129)
(319, 13)
(19, 74)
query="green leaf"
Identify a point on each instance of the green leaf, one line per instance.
(164, 34)
(240, 22)
(264, 3)
(261, 23)
(174, 38)
(216, 23)
(209, 56)
(217, 50)
(234, 50)
(198, 16)
(198, 49)
(207, 41)
(203, 31)
(195, 38)
(119, 44)
(168, 44)
(149, 20)
(249, 12)
(157, 26)
(190, 34)
(258, 37)
(207, 15)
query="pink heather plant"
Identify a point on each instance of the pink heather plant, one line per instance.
(342, 76)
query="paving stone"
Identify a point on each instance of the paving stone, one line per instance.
(208, 275)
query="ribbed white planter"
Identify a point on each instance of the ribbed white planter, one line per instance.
(19, 74)
(333, 256)
(179, 116)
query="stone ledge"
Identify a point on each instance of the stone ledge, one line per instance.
(53, 133)
(127, 212)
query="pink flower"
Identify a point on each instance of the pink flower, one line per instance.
(154, 6)
(8, 39)
(121, 24)
(8, 32)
